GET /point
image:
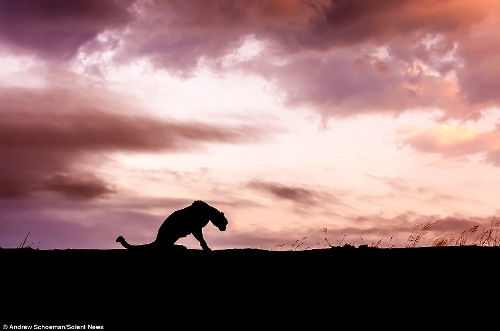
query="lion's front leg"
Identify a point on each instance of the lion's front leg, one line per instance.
(198, 234)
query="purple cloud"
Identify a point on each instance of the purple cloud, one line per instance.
(56, 29)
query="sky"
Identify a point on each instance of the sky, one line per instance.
(299, 119)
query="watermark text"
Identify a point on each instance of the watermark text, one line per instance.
(52, 327)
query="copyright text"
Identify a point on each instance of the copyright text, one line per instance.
(52, 327)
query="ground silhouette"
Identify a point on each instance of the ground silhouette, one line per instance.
(151, 288)
(233, 289)
(189, 220)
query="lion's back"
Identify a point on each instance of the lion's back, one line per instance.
(179, 224)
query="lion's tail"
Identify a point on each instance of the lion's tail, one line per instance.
(124, 243)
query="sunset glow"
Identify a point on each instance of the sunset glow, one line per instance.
(290, 116)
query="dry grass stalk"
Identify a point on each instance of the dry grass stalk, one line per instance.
(489, 237)
(297, 245)
(389, 245)
(464, 236)
(325, 230)
(442, 240)
(418, 232)
(23, 244)
(377, 244)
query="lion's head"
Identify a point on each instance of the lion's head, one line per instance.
(220, 221)
(215, 216)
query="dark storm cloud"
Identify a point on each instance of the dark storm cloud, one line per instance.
(46, 136)
(55, 29)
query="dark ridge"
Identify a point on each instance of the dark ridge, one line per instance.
(238, 288)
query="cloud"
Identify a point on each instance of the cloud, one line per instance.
(399, 185)
(82, 187)
(100, 131)
(55, 29)
(337, 85)
(48, 136)
(480, 53)
(338, 58)
(295, 194)
(409, 192)
(191, 28)
(452, 141)
(302, 197)
(178, 35)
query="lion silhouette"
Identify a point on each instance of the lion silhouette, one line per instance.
(189, 220)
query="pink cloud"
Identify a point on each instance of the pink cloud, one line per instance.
(336, 85)
(325, 55)
(451, 141)
(294, 25)
(313, 50)
(296, 194)
(46, 136)
(177, 35)
(305, 198)
(480, 52)
(411, 190)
